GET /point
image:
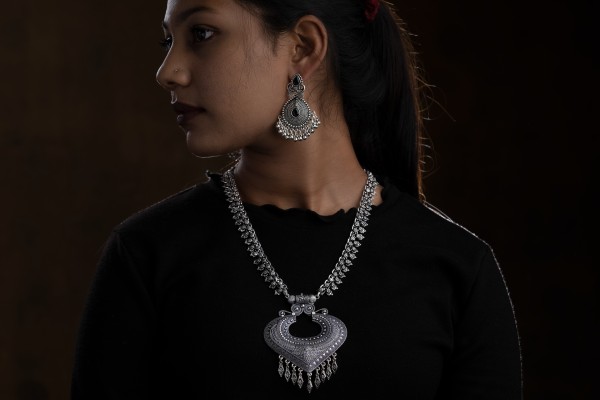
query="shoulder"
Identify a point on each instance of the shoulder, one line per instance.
(422, 225)
(448, 228)
(163, 237)
(187, 209)
(421, 235)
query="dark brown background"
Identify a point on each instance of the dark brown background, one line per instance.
(87, 138)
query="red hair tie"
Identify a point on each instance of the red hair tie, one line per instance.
(371, 9)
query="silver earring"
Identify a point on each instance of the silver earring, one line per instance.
(297, 121)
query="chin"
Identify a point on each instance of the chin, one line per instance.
(201, 149)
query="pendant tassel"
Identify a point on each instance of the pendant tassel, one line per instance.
(296, 374)
(317, 377)
(287, 370)
(300, 379)
(281, 369)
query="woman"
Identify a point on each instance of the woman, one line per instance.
(312, 265)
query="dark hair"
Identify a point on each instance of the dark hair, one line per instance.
(373, 65)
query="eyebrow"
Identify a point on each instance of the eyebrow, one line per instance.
(182, 16)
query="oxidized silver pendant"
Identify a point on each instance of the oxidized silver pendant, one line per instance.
(303, 355)
(306, 354)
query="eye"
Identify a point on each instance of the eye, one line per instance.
(201, 34)
(166, 43)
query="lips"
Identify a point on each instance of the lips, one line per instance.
(185, 112)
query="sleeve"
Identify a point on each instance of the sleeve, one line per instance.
(116, 333)
(486, 361)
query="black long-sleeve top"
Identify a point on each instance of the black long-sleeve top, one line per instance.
(177, 308)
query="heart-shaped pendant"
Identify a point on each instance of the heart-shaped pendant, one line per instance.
(306, 353)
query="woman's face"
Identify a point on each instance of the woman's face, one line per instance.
(226, 84)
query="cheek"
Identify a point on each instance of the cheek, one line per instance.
(263, 96)
(250, 97)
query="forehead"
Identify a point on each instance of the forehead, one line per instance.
(179, 10)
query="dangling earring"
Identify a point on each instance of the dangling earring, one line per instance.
(296, 121)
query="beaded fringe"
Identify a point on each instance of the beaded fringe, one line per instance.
(297, 133)
(290, 371)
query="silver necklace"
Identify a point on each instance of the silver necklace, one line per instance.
(303, 355)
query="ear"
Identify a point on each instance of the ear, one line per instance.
(309, 40)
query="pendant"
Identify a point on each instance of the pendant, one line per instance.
(298, 355)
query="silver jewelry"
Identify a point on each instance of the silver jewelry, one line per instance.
(308, 355)
(297, 121)
(234, 155)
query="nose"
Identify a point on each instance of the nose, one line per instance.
(172, 73)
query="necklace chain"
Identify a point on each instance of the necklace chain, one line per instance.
(357, 234)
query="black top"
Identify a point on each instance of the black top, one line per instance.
(177, 308)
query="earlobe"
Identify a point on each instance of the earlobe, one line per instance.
(310, 45)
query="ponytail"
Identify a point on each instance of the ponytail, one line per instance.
(393, 145)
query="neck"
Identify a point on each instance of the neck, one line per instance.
(320, 173)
